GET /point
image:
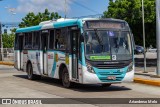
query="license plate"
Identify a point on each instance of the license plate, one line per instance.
(111, 77)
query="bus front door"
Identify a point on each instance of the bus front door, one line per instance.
(44, 42)
(74, 52)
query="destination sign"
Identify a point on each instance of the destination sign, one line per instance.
(105, 24)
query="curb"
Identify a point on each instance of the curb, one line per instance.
(145, 74)
(6, 63)
(148, 82)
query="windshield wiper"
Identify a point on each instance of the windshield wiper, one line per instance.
(99, 39)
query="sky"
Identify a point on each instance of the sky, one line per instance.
(15, 10)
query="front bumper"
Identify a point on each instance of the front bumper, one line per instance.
(99, 78)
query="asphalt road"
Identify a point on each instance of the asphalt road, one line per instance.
(149, 55)
(14, 84)
(151, 59)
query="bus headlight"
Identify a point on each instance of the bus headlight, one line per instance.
(90, 68)
(130, 67)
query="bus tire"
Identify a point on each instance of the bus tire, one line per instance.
(65, 78)
(30, 74)
(105, 85)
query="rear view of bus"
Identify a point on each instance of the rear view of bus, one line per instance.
(108, 56)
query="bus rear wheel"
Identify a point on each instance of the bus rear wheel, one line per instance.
(65, 78)
(30, 74)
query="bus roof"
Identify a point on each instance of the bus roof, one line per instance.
(60, 23)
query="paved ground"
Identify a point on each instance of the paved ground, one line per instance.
(151, 66)
(151, 73)
(149, 55)
(151, 60)
(14, 84)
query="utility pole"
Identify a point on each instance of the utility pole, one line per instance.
(65, 9)
(158, 35)
(1, 58)
(144, 41)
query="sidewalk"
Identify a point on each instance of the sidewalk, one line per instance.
(6, 63)
(149, 78)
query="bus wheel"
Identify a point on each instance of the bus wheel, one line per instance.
(31, 76)
(65, 78)
(105, 85)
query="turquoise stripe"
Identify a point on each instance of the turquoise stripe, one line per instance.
(54, 66)
(83, 56)
(28, 29)
(68, 23)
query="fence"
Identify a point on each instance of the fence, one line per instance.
(7, 54)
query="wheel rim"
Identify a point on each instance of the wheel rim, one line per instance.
(65, 79)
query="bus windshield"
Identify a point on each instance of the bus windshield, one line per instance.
(108, 45)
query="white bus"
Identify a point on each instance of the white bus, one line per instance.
(86, 51)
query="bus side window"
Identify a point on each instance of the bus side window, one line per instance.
(60, 39)
(51, 40)
(16, 45)
(28, 41)
(63, 42)
(19, 42)
(36, 40)
(57, 39)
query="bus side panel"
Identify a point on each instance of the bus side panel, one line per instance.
(51, 64)
(25, 60)
(80, 73)
(61, 60)
(17, 59)
(38, 62)
(35, 59)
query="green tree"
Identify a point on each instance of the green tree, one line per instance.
(13, 30)
(8, 40)
(131, 11)
(31, 19)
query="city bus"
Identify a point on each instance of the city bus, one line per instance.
(85, 51)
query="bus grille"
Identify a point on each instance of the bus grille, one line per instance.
(103, 76)
(111, 66)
